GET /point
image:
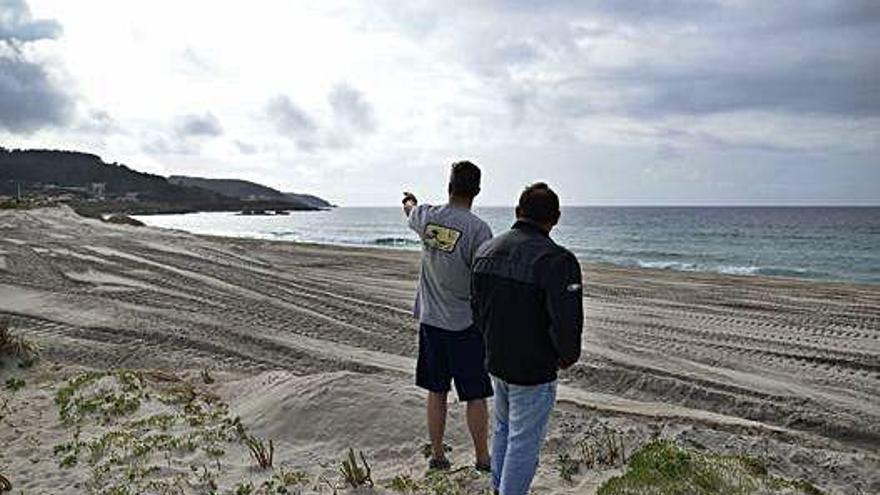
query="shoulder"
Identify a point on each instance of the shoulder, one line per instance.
(557, 256)
(480, 225)
(493, 244)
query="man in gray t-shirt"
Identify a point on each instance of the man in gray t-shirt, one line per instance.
(450, 347)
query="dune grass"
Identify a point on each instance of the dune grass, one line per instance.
(664, 468)
(356, 474)
(16, 347)
(262, 453)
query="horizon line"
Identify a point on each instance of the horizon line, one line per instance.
(670, 205)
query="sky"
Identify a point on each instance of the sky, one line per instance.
(643, 102)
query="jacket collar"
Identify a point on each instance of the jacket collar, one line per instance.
(528, 226)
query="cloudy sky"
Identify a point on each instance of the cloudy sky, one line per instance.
(614, 102)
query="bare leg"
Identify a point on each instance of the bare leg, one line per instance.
(437, 423)
(478, 424)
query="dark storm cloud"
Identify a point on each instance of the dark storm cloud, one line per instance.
(193, 125)
(29, 98)
(350, 106)
(291, 121)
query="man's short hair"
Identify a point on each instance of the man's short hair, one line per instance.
(464, 179)
(539, 203)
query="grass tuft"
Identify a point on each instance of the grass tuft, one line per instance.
(14, 384)
(17, 347)
(262, 452)
(567, 467)
(353, 473)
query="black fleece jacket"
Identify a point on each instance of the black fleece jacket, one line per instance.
(527, 300)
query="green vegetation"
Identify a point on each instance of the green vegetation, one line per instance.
(14, 384)
(93, 187)
(664, 468)
(127, 450)
(262, 455)
(353, 473)
(567, 467)
(459, 482)
(603, 452)
(17, 347)
(25, 204)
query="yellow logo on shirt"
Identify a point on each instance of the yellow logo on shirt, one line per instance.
(440, 237)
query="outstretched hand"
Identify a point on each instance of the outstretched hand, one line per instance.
(409, 202)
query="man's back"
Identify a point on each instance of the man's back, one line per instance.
(450, 235)
(528, 302)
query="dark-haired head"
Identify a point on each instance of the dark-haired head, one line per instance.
(464, 180)
(539, 205)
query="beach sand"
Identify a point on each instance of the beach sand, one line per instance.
(314, 346)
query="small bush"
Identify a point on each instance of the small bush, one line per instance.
(567, 467)
(662, 467)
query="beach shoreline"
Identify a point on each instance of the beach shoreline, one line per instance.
(309, 338)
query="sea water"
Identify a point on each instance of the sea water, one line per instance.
(830, 243)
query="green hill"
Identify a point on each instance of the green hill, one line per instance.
(92, 186)
(243, 189)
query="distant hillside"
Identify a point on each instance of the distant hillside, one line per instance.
(310, 200)
(228, 187)
(243, 189)
(34, 169)
(93, 187)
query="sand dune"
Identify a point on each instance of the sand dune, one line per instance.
(318, 344)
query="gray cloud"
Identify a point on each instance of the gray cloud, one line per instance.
(245, 148)
(158, 144)
(98, 122)
(29, 98)
(194, 125)
(685, 57)
(291, 121)
(350, 106)
(17, 23)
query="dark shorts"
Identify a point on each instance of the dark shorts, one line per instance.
(445, 356)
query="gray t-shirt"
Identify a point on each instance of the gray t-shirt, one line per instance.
(450, 238)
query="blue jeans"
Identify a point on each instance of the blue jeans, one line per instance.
(521, 417)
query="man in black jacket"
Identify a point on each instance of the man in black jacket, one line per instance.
(528, 301)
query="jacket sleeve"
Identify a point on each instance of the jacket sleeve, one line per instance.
(564, 301)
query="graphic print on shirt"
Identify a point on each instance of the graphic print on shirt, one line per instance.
(441, 237)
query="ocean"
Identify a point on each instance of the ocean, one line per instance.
(826, 243)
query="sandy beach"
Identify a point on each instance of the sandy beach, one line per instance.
(313, 347)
